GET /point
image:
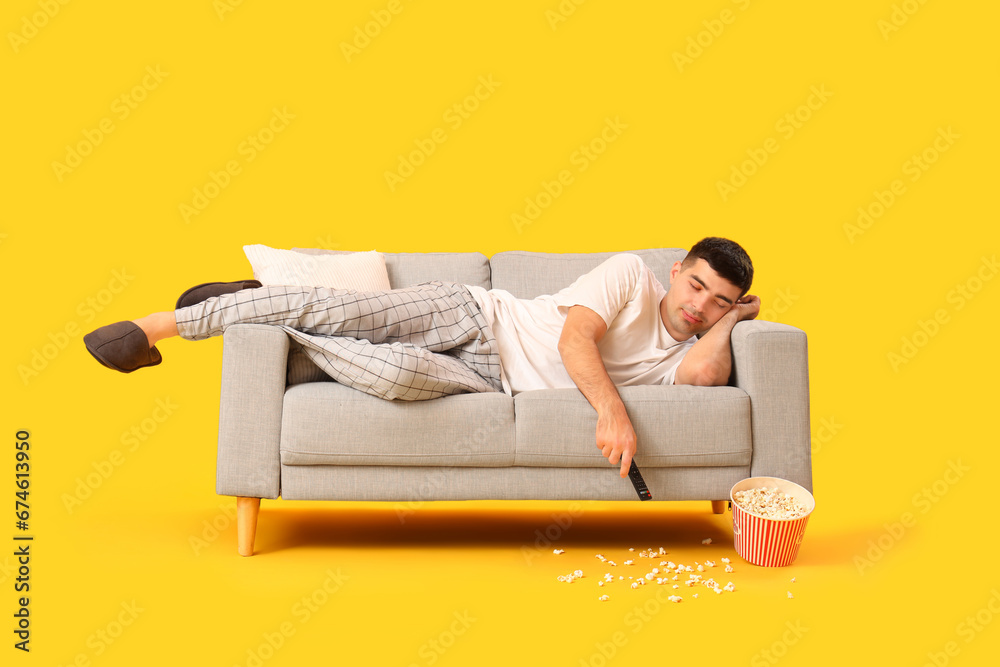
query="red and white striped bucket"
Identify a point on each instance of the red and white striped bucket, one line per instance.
(769, 542)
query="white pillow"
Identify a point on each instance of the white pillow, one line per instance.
(362, 271)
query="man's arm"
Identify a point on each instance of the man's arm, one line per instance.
(709, 361)
(581, 333)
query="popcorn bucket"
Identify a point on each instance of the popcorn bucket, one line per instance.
(769, 542)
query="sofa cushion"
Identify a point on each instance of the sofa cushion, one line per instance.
(325, 423)
(411, 268)
(675, 426)
(529, 274)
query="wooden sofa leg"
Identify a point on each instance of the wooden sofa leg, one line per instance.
(246, 523)
(718, 507)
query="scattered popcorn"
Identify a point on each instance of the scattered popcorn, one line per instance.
(561, 578)
(793, 580)
(710, 563)
(607, 576)
(612, 563)
(558, 551)
(643, 553)
(729, 568)
(770, 503)
(729, 587)
(603, 598)
(670, 565)
(676, 586)
(661, 551)
(600, 557)
(660, 580)
(630, 577)
(707, 541)
(621, 578)
(675, 598)
(725, 560)
(790, 596)
(630, 562)
(577, 573)
(663, 562)
(650, 576)
(631, 548)
(688, 568)
(674, 578)
(600, 583)
(701, 568)
(655, 570)
(694, 577)
(695, 595)
(690, 582)
(711, 583)
(717, 590)
(635, 584)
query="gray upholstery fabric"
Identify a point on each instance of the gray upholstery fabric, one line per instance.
(410, 268)
(771, 366)
(417, 484)
(530, 274)
(675, 426)
(253, 386)
(329, 424)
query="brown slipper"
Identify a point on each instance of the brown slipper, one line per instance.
(122, 346)
(199, 293)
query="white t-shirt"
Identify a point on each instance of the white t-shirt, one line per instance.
(636, 348)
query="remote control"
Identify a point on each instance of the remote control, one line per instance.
(638, 482)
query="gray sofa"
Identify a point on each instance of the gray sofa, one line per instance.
(286, 429)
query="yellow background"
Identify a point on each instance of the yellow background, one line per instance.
(883, 432)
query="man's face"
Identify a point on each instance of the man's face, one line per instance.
(697, 299)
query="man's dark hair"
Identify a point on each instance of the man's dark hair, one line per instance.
(727, 258)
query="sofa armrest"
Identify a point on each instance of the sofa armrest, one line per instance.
(254, 357)
(770, 363)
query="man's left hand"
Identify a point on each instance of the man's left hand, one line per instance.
(746, 307)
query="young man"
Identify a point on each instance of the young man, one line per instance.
(614, 326)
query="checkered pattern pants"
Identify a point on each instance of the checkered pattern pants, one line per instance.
(410, 344)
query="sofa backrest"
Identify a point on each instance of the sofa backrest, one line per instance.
(523, 274)
(529, 274)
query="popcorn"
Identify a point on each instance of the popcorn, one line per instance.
(707, 541)
(710, 583)
(729, 587)
(608, 577)
(621, 578)
(630, 562)
(631, 548)
(600, 557)
(701, 568)
(790, 596)
(612, 563)
(664, 563)
(650, 576)
(793, 580)
(710, 563)
(695, 595)
(674, 578)
(717, 590)
(603, 598)
(675, 586)
(635, 584)
(577, 573)
(694, 577)
(729, 568)
(770, 503)
(675, 598)
(688, 568)
(725, 560)
(643, 553)
(558, 551)
(661, 551)
(600, 583)
(656, 570)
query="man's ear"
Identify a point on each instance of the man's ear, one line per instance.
(674, 270)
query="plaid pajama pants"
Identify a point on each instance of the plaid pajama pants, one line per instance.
(410, 344)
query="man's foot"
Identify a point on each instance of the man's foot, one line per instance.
(122, 346)
(199, 293)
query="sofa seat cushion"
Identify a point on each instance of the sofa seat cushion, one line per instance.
(676, 426)
(326, 423)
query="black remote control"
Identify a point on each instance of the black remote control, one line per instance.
(638, 482)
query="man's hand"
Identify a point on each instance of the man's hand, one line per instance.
(616, 438)
(746, 307)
